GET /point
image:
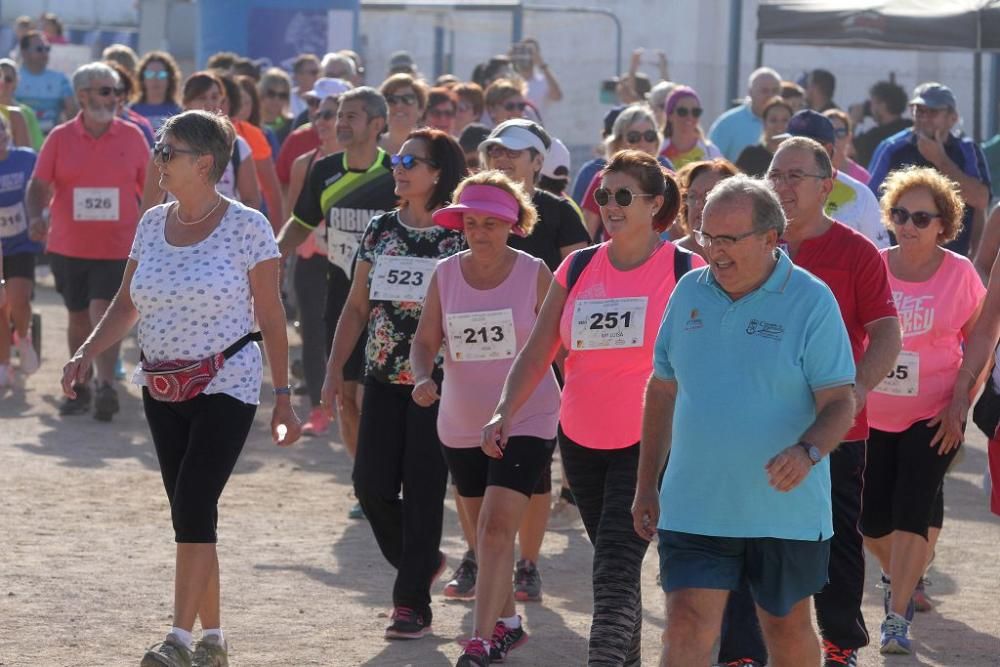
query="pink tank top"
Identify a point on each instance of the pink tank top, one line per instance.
(484, 330)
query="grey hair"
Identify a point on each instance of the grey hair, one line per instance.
(630, 115)
(87, 74)
(820, 156)
(374, 103)
(9, 64)
(762, 71)
(349, 68)
(208, 133)
(765, 208)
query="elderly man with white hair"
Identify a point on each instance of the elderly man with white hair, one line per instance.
(742, 126)
(88, 174)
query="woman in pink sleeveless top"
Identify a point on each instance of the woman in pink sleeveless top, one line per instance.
(482, 304)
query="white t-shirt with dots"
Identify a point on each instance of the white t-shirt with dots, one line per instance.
(195, 301)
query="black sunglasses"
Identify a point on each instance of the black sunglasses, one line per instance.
(921, 219)
(441, 113)
(107, 91)
(276, 94)
(408, 161)
(515, 106)
(326, 114)
(164, 152)
(42, 48)
(684, 111)
(623, 196)
(635, 137)
(408, 99)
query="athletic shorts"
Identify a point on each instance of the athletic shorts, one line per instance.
(338, 286)
(21, 265)
(781, 573)
(524, 461)
(81, 281)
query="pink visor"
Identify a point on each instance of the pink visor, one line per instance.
(481, 199)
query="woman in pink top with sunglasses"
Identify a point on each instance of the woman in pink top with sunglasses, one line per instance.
(606, 313)
(482, 304)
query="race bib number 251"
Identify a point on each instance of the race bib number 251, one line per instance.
(609, 323)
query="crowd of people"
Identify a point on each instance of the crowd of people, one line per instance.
(756, 345)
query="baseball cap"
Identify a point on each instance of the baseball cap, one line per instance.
(518, 134)
(326, 87)
(401, 61)
(934, 95)
(610, 117)
(556, 163)
(483, 199)
(811, 124)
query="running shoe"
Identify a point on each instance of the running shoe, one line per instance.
(834, 656)
(171, 652)
(407, 624)
(505, 640)
(462, 585)
(318, 423)
(211, 651)
(886, 586)
(920, 600)
(742, 662)
(28, 359)
(79, 405)
(105, 402)
(475, 654)
(564, 516)
(896, 635)
(527, 582)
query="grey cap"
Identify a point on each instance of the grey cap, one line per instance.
(934, 96)
(401, 61)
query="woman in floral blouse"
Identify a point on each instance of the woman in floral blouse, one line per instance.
(398, 446)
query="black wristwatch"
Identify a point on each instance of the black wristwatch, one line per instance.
(812, 451)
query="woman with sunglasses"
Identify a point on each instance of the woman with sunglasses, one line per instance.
(398, 445)
(696, 180)
(504, 100)
(683, 139)
(481, 305)
(441, 106)
(22, 124)
(469, 108)
(407, 99)
(605, 313)
(844, 143)
(756, 159)
(159, 83)
(939, 297)
(274, 90)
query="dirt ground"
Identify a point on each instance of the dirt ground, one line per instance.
(87, 560)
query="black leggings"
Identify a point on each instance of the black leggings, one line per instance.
(310, 293)
(197, 444)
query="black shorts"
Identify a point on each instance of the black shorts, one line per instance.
(81, 281)
(338, 286)
(524, 461)
(903, 478)
(21, 265)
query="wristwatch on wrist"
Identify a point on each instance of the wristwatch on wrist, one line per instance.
(282, 391)
(811, 450)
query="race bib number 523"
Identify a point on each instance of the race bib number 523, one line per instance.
(396, 278)
(609, 323)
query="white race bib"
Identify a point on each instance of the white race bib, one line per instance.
(482, 336)
(95, 204)
(399, 278)
(609, 323)
(341, 248)
(13, 220)
(904, 378)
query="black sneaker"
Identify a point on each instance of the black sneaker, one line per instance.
(475, 654)
(462, 585)
(79, 405)
(527, 582)
(407, 624)
(505, 640)
(834, 656)
(105, 402)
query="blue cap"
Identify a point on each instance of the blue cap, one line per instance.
(934, 96)
(811, 124)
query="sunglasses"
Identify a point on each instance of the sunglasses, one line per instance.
(162, 74)
(8, 78)
(441, 113)
(326, 114)
(409, 99)
(408, 161)
(276, 94)
(312, 102)
(840, 132)
(42, 48)
(921, 219)
(165, 152)
(472, 163)
(496, 150)
(515, 106)
(623, 196)
(106, 91)
(635, 137)
(683, 112)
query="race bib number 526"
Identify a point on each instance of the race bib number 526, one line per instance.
(396, 278)
(95, 204)
(609, 323)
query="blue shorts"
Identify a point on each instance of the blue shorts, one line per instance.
(781, 572)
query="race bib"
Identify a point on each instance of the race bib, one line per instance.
(609, 323)
(397, 278)
(13, 220)
(341, 248)
(482, 336)
(95, 204)
(904, 378)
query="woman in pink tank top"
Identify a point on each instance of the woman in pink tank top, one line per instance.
(482, 304)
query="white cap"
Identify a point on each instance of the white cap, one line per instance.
(557, 161)
(326, 87)
(515, 135)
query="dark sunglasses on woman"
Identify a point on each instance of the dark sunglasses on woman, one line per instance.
(684, 111)
(164, 152)
(155, 74)
(515, 106)
(623, 196)
(276, 94)
(409, 161)
(921, 219)
(635, 137)
(408, 99)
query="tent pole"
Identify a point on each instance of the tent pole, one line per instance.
(735, 30)
(977, 96)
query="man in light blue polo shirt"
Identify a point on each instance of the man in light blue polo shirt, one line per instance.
(742, 126)
(751, 389)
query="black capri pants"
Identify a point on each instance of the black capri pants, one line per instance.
(903, 478)
(197, 444)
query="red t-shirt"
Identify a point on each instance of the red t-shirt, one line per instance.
(96, 188)
(852, 268)
(299, 142)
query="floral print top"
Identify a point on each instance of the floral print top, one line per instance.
(392, 324)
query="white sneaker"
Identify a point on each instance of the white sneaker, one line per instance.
(564, 516)
(26, 353)
(6, 376)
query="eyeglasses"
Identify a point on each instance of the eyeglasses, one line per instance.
(276, 94)
(409, 99)
(840, 132)
(635, 137)
(721, 241)
(511, 107)
(496, 150)
(441, 113)
(165, 152)
(921, 219)
(792, 178)
(42, 48)
(623, 196)
(312, 102)
(105, 91)
(326, 114)
(684, 111)
(408, 161)
(161, 74)
(464, 107)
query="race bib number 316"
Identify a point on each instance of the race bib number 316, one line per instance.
(396, 278)
(95, 204)
(609, 323)
(12, 221)
(482, 336)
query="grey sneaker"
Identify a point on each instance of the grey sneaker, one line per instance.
(211, 652)
(462, 585)
(105, 403)
(168, 653)
(527, 582)
(79, 405)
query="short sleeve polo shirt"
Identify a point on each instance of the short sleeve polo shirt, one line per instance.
(746, 372)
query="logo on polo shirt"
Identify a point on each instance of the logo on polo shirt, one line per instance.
(765, 329)
(694, 322)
